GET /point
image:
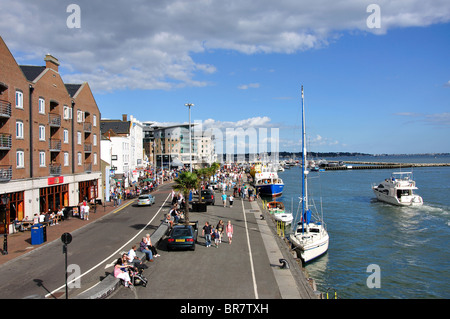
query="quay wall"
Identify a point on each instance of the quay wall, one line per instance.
(378, 165)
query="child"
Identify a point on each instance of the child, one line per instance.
(216, 237)
(231, 198)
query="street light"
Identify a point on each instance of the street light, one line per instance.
(190, 138)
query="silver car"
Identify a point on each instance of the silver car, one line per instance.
(146, 200)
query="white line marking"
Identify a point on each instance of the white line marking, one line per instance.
(112, 255)
(255, 288)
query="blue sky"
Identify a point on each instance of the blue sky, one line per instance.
(367, 90)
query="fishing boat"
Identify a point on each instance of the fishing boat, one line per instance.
(267, 182)
(310, 237)
(279, 212)
(398, 190)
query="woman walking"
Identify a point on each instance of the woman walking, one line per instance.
(229, 230)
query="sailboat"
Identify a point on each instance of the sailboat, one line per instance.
(310, 237)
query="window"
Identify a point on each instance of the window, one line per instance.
(67, 112)
(19, 99)
(42, 159)
(80, 116)
(94, 120)
(94, 140)
(19, 129)
(66, 158)
(20, 159)
(79, 138)
(41, 106)
(95, 158)
(79, 159)
(66, 136)
(41, 133)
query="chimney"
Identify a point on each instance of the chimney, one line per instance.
(51, 62)
(124, 117)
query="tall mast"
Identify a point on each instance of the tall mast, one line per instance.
(304, 171)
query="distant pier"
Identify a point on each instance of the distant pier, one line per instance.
(378, 165)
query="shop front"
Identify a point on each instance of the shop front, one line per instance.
(55, 196)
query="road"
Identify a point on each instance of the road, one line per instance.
(41, 273)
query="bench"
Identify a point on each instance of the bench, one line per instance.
(110, 283)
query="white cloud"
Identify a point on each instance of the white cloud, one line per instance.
(150, 44)
(249, 86)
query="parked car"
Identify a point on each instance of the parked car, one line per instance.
(146, 200)
(183, 236)
(208, 196)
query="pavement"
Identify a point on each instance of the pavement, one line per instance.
(19, 243)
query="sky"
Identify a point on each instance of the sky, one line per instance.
(376, 74)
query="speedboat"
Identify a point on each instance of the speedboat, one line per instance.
(398, 190)
(279, 213)
(310, 237)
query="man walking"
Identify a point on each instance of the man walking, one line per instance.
(207, 233)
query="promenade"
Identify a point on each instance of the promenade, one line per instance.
(249, 268)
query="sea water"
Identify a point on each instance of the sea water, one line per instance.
(409, 245)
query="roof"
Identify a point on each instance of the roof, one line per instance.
(117, 126)
(72, 88)
(31, 72)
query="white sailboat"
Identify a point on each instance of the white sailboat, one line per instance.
(310, 236)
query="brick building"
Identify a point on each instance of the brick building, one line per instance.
(49, 140)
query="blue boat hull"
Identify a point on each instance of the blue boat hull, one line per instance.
(270, 189)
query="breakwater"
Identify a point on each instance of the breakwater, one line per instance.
(380, 165)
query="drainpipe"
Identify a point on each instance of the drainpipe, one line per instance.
(73, 138)
(31, 130)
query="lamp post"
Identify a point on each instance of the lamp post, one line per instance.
(190, 138)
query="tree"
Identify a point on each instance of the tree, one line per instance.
(185, 182)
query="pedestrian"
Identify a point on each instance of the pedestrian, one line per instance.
(231, 199)
(207, 233)
(86, 211)
(229, 230)
(220, 228)
(224, 199)
(216, 237)
(143, 248)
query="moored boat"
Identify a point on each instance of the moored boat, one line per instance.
(310, 237)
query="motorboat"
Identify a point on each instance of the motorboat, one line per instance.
(398, 190)
(279, 212)
(267, 182)
(310, 237)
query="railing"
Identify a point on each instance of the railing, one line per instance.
(5, 173)
(5, 109)
(87, 148)
(88, 167)
(55, 169)
(54, 120)
(87, 127)
(5, 141)
(55, 145)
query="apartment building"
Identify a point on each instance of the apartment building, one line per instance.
(49, 140)
(125, 140)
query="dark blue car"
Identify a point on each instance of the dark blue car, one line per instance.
(183, 236)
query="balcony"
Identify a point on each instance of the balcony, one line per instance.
(87, 127)
(5, 109)
(88, 167)
(55, 169)
(88, 148)
(5, 173)
(5, 141)
(54, 120)
(55, 145)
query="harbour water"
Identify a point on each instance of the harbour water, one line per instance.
(410, 245)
